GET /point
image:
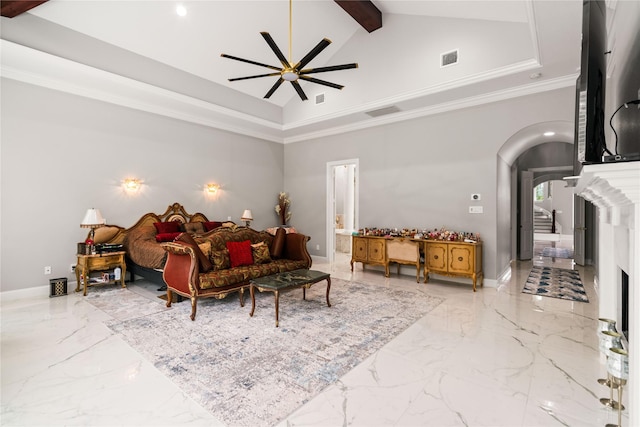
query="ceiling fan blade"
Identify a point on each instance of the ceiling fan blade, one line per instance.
(313, 53)
(274, 47)
(329, 68)
(254, 77)
(298, 89)
(321, 82)
(224, 55)
(274, 87)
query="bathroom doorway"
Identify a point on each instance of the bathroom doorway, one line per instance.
(342, 208)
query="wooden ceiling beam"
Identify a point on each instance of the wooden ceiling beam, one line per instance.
(364, 12)
(13, 8)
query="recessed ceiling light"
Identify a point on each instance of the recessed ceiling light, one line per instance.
(549, 133)
(181, 10)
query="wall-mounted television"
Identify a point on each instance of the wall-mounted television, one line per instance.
(590, 143)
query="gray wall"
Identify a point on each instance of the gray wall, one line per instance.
(62, 154)
(421, 173)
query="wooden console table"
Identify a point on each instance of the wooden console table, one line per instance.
(447, 258)
(453, 259)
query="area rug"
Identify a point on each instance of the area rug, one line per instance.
(247, 372)
(557, 252)
(555, 282)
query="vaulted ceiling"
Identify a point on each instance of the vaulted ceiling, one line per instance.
(142, 54)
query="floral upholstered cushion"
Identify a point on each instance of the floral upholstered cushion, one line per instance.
(220, 259)
(260, 253)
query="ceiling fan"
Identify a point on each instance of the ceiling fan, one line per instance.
(292, 72)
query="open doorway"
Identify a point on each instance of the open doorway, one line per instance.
(553, 219)
(342, 208)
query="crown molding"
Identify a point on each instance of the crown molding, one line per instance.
(42, 69)
(501, 95)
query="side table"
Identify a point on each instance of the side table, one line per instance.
(99, 262)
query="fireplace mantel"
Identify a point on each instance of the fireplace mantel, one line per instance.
(614, 188)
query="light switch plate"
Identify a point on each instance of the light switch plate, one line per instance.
(475, 209)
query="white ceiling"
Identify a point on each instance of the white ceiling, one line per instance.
(500, 43)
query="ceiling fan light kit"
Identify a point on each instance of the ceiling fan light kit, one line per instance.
(292, 72)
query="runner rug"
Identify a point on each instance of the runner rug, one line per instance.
(557, 252)
(243, 369)
(555, 282)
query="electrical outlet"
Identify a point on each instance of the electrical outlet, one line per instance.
(72, 268)
(228, 218)
(47, 269)
(317, 247)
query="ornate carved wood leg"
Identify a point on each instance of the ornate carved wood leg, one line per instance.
(241, 297)
(277, 294)
(474, 281)
(169, 297)
(304, 292)
(253, 300)
(328, 289)
(194, 302)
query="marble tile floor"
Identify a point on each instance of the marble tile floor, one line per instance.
(496, 357)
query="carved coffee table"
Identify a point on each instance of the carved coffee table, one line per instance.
(289, 280)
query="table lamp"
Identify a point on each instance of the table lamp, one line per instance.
(247, 217)
(92, 219)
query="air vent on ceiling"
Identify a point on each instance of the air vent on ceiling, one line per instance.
(383, 111)
(449, 58)
(320, 98)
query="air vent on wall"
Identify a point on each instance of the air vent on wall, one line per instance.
(383, 111)
(320, 98)
(449, 58)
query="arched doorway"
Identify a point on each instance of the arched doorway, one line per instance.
(509, 224)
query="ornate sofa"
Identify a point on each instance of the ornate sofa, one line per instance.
(224, 260)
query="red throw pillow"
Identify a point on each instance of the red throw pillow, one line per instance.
(278, 243)
(203, 261)
(166, 237)
(240, 253)
(167, 227)
(210, 225)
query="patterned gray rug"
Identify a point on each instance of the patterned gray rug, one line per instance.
(245, 371)
(555, 282)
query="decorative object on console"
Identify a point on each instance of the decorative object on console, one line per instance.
(92, 219)
(131, 185)
(282, 208)
(247, 217)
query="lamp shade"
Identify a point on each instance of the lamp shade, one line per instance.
(247, 215)
(92, 219)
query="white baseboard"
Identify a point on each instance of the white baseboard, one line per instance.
(31, 293)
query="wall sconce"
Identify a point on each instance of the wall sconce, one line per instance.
(247, 217)
(131, 185)
(211, 189)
